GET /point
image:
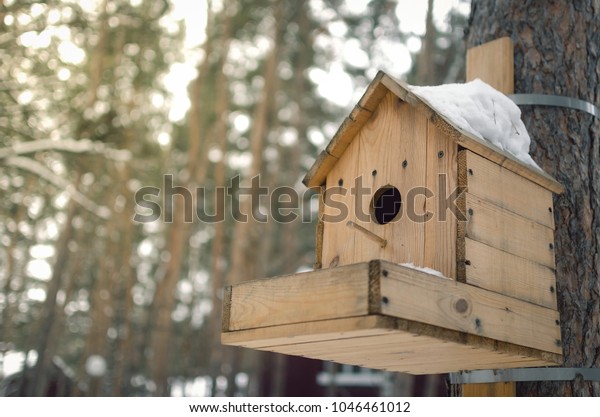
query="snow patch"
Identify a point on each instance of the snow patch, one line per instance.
(425, 269)
(483, 111)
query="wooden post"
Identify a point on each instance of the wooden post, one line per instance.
(495, 389)
(493, 63)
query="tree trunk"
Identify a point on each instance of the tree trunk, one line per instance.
(126, 278)
(10, 273)
(557, 48)
(179, 230)
(217, 259)
(47, 323)
(426, 74)
(247, 241)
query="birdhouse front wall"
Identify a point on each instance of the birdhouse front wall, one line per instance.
(397, 147)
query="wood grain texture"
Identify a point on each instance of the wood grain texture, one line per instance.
(508, 161)
(385, 316)
(494, 226)
(387, 343)
(497, 389)
(317, 173)
(483, 62)
(319, 230)
(318, 295)
(307, 332)
(416, 353)
(346, 132)
(417, 296)
(461, 226)
(374, 93)
(510, 191)
(226, 309)
(338, 239)
(442, 181)
(505, 273)
(399, 130)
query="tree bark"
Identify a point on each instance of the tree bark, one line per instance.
(47, 323)
(557, 47)
(247, 241)
(426, 74)
(179, 232)
(10, 273)
(217, 259)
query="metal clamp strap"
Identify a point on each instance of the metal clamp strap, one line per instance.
(555, 101)
(524, 374)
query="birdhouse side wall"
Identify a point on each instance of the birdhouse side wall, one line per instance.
(507, 243)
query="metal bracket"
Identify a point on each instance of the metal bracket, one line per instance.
(555, 101)
(524, 374)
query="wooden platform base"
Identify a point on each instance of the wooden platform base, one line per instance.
(385, 316)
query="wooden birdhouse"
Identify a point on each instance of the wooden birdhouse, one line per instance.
(434, 252)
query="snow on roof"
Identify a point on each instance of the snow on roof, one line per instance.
(483, 111)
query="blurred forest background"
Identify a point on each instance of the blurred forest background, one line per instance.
(99, 98)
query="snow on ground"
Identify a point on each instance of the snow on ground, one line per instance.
(425, 269)
(483, 111)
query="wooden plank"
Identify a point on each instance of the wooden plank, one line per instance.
(493, 63)
(317, 173)
(506, 160)
(347, 131)
(319, 230)
(496, 389)
(510, 191)
(414, 295)
(442, 181)
(436, 358)
(461, 226)
(490, 224)
(435, 369)
(397, 129)
(407, 352)
(338, 239)
(306, 332)
(406, 237)
(375, 346)
(319, 295)
(226, 308)
(380, 314)
(374, 93)
(504, 273)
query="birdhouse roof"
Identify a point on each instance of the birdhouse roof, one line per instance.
(365, 108)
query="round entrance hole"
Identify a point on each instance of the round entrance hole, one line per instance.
(386, 204)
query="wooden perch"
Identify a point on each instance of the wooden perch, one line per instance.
(382, 242)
